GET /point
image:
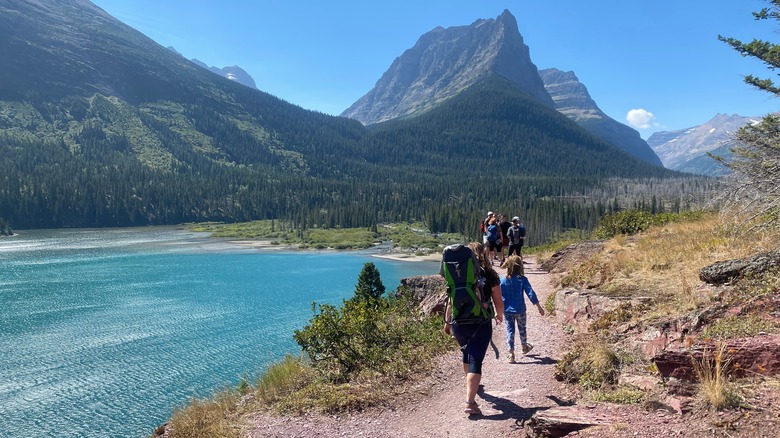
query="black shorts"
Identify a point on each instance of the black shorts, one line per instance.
(494, 245)
(475, 338)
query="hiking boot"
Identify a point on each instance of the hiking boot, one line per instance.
(527, 348)
(511, 356)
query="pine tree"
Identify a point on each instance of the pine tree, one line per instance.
(369, 284)
(753, 199)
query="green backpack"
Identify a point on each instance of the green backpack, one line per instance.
(463, 274)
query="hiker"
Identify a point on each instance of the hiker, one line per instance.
(475, 336)
(516, 237)
(494, 239)
(513, 285)
(483, 227)
(504, 225)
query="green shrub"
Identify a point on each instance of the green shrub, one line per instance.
(738, 326)
(590, 363)
(624, 222)
(622, 313)
(281, 378)
(365, 335)
(623, 394)
(630, 222)
(549, 304)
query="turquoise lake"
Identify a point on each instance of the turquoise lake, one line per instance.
(104, 332)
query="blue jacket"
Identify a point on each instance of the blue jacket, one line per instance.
(512, 293)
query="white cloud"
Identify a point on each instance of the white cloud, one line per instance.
(640, 118)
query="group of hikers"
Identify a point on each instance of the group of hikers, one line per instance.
(500, 236)
(477, 294)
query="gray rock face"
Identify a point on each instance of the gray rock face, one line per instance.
(686, 149)
(234, 73)
(572, 99)
(728, 270)
(443, 62)
(428, 290)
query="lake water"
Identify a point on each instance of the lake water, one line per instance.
(105, 332)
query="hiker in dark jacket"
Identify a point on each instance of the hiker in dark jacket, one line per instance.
(504, 225)
(476, 337)
(516, 236)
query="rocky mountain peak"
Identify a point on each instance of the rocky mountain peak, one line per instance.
(687, 149)
(568, 93)
(572, 99)
(234, 73)
(445, 61)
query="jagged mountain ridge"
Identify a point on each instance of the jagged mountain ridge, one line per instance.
(234, 73)
(443, 63)
(572, 99)
(686, 150)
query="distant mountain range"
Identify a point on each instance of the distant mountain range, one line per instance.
(234, 73)
(101, 126)
(686, 150)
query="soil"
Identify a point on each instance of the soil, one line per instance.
(511, 393)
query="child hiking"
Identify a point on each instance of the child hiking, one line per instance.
(469, 320)
(512, 288)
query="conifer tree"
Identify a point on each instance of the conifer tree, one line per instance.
(369, 284)
(754, 189)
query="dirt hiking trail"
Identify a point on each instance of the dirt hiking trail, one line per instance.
(509, 393)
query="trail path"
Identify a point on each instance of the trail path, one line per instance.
(509, 395)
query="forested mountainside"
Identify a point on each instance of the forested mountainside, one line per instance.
(100, 126)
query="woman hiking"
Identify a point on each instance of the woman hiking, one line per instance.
(474, 339)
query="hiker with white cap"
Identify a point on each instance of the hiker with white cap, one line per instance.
(516, 236)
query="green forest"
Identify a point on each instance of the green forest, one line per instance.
(489, 149)
(154, 139)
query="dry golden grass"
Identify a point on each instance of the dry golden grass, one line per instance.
(714, 388)
(664, 262)
(281, 378)
(206, 418)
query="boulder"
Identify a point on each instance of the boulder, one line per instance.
(656, 337)
(726, 271)
(758, 355)
(560, 421)
(580, 308)
(573, 254)
(428, 290)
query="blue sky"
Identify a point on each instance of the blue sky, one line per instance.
(659, 57)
